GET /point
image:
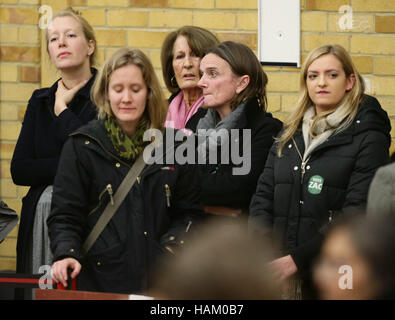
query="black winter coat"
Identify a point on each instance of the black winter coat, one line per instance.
(37, 152)
(160, 209)
(220, 187)
(295, 208)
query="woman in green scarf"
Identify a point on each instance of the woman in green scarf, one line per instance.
(157, 212)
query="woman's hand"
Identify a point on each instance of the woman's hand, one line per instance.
(60, 267)
(63, 96)
(283, 267)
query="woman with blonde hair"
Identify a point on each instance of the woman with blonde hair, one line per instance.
(158, 209)
(321, 164)
(51, 115)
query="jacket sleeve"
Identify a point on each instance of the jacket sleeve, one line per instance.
(381, 196)
(186, 209)
(67, 221)
(372, 154)
(26, 168)
(222, 187)
(260, 219)
(67, 121)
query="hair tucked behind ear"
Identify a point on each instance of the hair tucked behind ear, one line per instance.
(243, 61)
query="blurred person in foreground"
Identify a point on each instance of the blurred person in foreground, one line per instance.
(221, 261)
(357, 260)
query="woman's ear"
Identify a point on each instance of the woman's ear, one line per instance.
(243, 82)
(350, 82)
(91, 47)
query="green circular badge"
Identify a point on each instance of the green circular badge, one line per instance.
(315, 184)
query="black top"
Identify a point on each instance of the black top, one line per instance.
(220, 186)
(294, 208)
(37, 152)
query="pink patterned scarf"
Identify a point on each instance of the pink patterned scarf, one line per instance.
(178, 113)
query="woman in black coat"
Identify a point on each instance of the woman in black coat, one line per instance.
(233, 85)
(51, 115)
(322, 163)
(157, 212)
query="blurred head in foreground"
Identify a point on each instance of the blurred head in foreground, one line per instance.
(220, 262)
(357, 260)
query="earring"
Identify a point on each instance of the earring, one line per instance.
(172, 80)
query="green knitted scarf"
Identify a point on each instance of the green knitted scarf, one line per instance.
(126, 147)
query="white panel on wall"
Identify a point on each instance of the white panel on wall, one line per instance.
(279, 32)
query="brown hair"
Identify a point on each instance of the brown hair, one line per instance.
(199, 40)
(243, 61)
(86, 29)
(219, 260)
(350, 100)
(155, 112)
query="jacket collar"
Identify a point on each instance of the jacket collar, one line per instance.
(95, 130)
(370, 116)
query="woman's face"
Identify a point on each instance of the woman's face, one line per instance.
(218, 82)
(127, 94)
(185, 64)
(340, 264)
(67, 45)
(327, 82)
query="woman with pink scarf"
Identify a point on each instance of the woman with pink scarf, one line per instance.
(181, 54)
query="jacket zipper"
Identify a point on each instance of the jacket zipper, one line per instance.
(168, 195)
(303, 163)
(330, 218)
(110, 192)
(188, 226)
(108, 189)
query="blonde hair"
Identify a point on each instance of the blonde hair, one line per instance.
(155, 111)
(350, 101)
(86, 29)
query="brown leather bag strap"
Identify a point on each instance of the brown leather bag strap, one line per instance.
(111, 208)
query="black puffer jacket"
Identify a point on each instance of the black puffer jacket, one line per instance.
(295, 208)
(158, 210)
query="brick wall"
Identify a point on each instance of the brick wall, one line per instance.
(145, 23)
